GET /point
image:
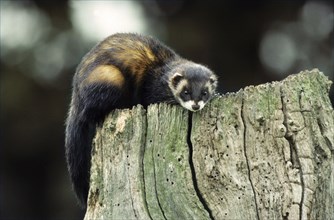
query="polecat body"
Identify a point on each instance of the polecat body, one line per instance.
(121, 71)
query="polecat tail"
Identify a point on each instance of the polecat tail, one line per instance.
(78, 141)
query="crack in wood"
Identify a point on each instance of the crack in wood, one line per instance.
(155, 184)
(298, 159)
(128, 174)
(192, 168)
(142, 164)
(247, 161)
(295, 160)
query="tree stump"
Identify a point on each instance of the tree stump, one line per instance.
(265, 152)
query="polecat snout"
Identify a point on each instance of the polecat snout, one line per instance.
(121, 71)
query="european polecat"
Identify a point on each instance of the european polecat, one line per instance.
(121, 71)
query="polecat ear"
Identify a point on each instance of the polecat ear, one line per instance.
(176, 78)
(213, 79)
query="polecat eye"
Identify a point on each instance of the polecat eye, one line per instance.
(186, 92)
(204, 93)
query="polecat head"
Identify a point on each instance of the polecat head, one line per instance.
(192, 85)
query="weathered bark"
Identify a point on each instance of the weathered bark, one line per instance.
(265, 152)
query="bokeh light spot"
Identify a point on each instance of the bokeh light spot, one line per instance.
(317, 19)
(96, 20)
(278, 52)
(21, 26)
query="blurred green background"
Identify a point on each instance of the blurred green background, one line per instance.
(244, 42)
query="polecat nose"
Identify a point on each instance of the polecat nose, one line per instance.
(195, 107)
